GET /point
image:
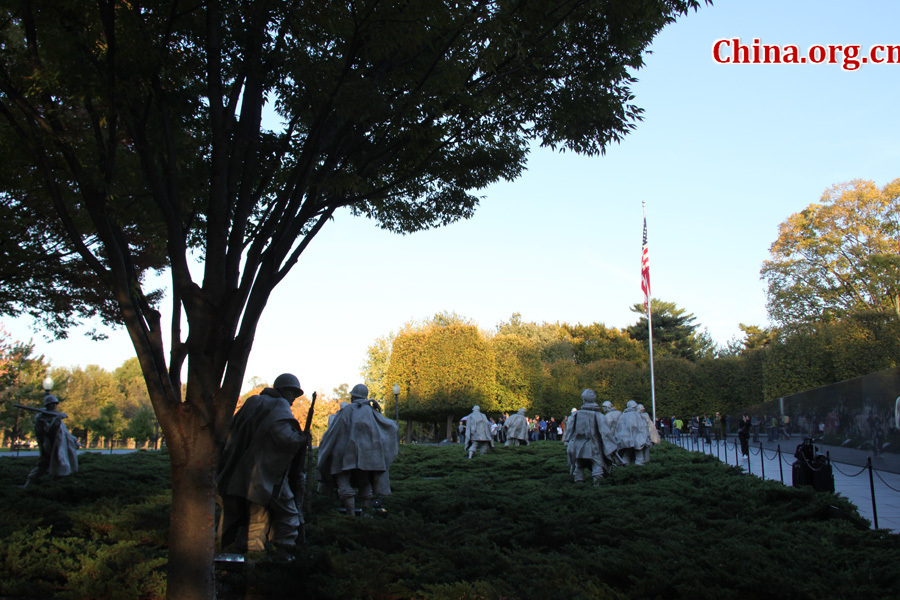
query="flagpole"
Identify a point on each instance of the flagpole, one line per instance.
(652, 383)
(645, 286)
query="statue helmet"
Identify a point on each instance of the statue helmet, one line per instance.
(359, 391)
(631, 404)
(287, 380)
(640, 407)
(476, 408)
(608, 405)
(574, 410)
(588, 396)
(50, 399)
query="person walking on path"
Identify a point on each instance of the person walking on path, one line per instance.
(744, 435)
(721, 430)
(677, 425)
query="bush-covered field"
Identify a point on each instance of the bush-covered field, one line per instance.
(506, 525)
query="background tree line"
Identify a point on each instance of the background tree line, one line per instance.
(833, 294)
(445, 365)
(102, 407)
(829, 290)
(106, 408)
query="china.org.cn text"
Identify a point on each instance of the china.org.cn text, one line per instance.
(732, 51)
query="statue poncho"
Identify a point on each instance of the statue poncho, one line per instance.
(632, 435)
(262, 443)
(360, 445)
(58, 448)
(590, 442)
(568, 426)
(654, 433)
(478, 432)
(517, 428)
(64, 457)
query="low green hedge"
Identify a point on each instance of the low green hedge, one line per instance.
(506, 525)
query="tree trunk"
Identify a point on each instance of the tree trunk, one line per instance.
(449, 428)
(192, 523)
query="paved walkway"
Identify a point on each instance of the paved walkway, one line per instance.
(852, 480)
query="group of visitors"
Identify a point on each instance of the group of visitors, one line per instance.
(703, 428)
(699, 429)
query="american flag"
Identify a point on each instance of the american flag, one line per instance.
(645, 269)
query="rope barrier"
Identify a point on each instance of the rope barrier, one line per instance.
(810, 465)
(834, 464)
(889, 486)
(786, 461)
(761, 451)
(807, 464)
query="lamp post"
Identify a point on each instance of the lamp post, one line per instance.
(47, 384)
(396, 390)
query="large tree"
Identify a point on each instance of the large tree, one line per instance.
(519, 372)
(374, 371)
(837, 258)
(675, 331)
(596, 341)
(133, 139)
(552, 339)
(442, 371)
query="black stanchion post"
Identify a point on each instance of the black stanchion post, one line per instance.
(762, 460)
(16, 432)
(872, 487)
(780, 467)
(737, 461)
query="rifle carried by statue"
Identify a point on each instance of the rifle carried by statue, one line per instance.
(297, 477)
(61, 415)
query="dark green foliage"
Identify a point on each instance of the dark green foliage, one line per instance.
(98, 534)
(509, 524)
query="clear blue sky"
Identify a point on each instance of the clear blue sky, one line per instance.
(725, 154)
